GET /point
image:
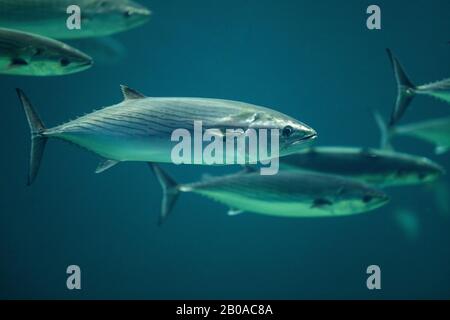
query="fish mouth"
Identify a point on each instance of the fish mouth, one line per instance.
(311, 136)
(301, 143)
(87, 63)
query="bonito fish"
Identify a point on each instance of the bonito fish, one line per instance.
(286, 194)
(27, 54)
(380, 167)
(407, 90)
(140, 128)
(49, 17)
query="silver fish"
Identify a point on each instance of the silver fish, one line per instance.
(49, 17)
(286, 194)
(407, 90)
(27, 54)
(379, 167)
(435, 131)
(140, 128)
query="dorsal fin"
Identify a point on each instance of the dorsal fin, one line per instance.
(131, 94)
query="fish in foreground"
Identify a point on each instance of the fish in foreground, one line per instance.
(49, 17)
(407, 90)
(27, 54)
(434, 131)
(379, 167)
(140, 128)
(286, 194)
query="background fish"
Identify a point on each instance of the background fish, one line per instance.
(380, 167)
(49, 17)
(28, 54)
(435, 131)
(286, 194)
(407, 90)
(140, 128)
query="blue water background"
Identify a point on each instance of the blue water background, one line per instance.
(314, 60)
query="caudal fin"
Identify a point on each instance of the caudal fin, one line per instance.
(385, 132)
(170, 191)
(38, 140)
(405, 90)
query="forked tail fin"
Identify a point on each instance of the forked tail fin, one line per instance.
(405, 90)
(385, 132)
(38, 140)
(170, 191)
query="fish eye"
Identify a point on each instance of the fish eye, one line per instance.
(367, 198)
(287, 131)
(64, 62)
(127, 14)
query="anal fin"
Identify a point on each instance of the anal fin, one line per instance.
(234, 212)
(105, 165)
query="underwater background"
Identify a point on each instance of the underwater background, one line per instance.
(314, 60)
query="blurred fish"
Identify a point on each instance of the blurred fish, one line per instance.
(441, 193)
(140, 128)
(408, 222)
(435, 131)
(49, 17)
(104, 51)
(286, 194)
(407, 90)
(380, 167)
(28, 54)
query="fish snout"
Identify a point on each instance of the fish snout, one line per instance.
(137, 11)
(83, 61)
(310, 134)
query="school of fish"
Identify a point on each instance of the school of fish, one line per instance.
(323, 181)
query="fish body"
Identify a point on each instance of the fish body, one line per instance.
(27, 54)
(286, 194)
(49, 17)
(373, 166)
(435, 131)
(406, 90)
(140, 128)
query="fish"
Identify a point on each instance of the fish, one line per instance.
(140, 128)
(383, 168)
(286, 194)
(435, 131)
(27, 54)
(49, 17)
(406, 90)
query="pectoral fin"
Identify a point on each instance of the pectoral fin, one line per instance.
(234, 212)
(320, 203)
(105, 165)
(441, 150)
(17, 62)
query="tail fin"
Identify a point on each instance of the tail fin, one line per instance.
(170, 191)
(38, 141)
(405, 93)
(385, 132)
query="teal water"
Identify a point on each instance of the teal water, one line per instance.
(314, 60)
